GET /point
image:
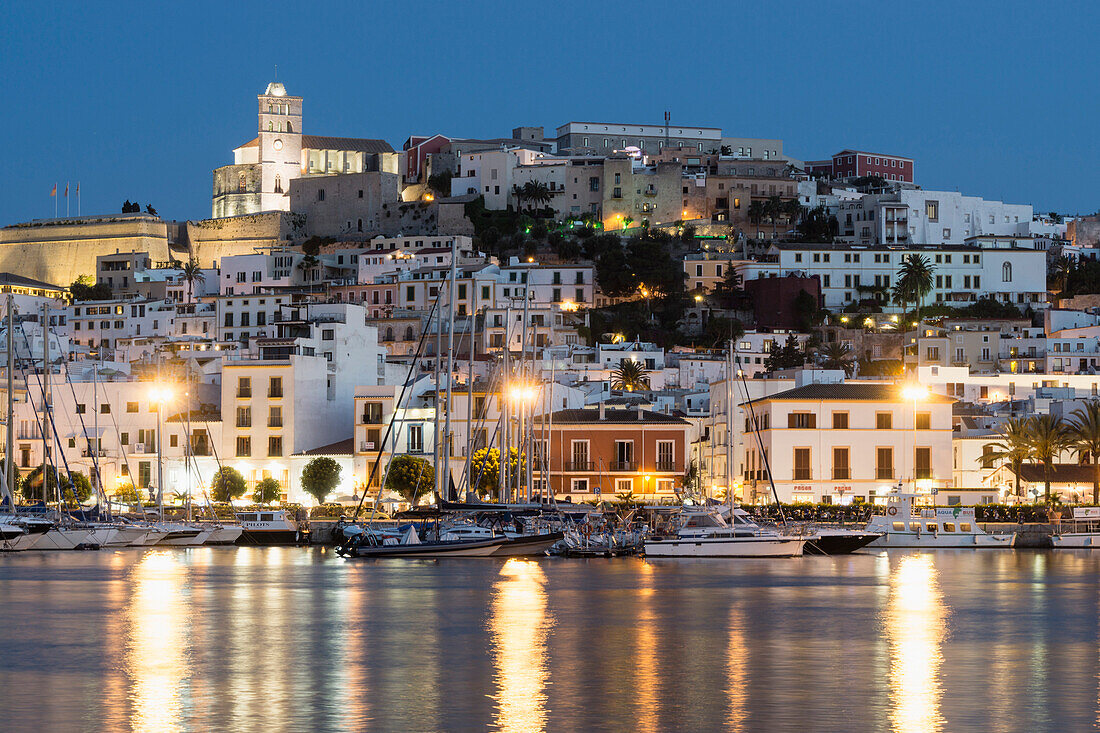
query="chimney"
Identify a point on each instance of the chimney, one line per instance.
(641, 413)
(603, 412)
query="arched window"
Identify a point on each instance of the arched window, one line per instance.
(1006, 272)
(289, 128)
(408, 333)
(389, 334)
(360, 225)
(270, 126)
(278, 184)
(240, 183)
(269, 109)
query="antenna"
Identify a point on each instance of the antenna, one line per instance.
(276, 73)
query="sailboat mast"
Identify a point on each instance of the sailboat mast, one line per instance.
(729, 423)
(521, 427)
(437, 428)
(9, 448)
(447, 440)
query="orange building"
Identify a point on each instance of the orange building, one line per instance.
(602, 451)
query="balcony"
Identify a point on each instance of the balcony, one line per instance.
(244, 394)
(274, 422)
(579, 466)
(274, 394)
(89, 452)
(666, 465)
(623, 466)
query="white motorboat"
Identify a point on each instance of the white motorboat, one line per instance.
(706, 533)
(185, 535)
(941, 527)
(1083, 533)
(369, 543)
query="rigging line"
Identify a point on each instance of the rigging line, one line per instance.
(479, 425)
(759, 440)
(389, 428)
(99, 491)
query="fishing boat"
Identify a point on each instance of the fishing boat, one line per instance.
(274, 527)
(1083, 532)
(932, 528)
(704, 532)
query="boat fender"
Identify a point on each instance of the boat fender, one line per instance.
(892, 511)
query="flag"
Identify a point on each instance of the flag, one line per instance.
(54, 191)
(78, 188)
(66, 190)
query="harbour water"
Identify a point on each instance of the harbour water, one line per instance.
(297, 639)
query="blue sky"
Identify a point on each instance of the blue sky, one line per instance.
(140, 101)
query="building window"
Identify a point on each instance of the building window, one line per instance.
(802, 464)
(924, 421)
(579, 486)
(275, 387)
(275, 446)
(416, 439)
(842, 470)
(244, 446)
(665, 457)
(924, 462)
(932, 210)
(1006, 272)
(884, 420)
(884, 463)
(244, 417)
(801, 420)
(840, 421)
(131, 407)
(240, 183)
(244, 386)
(278, 184)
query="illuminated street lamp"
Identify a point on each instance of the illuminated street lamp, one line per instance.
(160, 395)
(915, 392)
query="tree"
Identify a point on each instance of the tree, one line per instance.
(1084, 436)
(915, 279)
(836, 355)
(613, 274)
(805, 310)
(126, 494)
(150, 210)
(192, 273)
(440, 183)
(1048, 437)
(34, 489)
(85, 288)
(411, 478)
(1060, 270)
(227, 484)
(79, 489)
(320, 477)
(630, 375)
(1014, 447)
(534, 193)
(757, 211)
(817, 225)
(787, 356)
(267, 491)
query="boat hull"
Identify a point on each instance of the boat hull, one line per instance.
(269, 537)
(460, 548)
(226, 534)
(1076, 541)
(529, 545)
(64, 538)
(726, 547)
(839, 543)
(942, 541)
(24, 541)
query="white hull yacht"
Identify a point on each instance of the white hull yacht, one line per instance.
(706, 533)
(1083, 532)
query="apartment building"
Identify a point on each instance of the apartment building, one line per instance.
(961, 275)
(99, 325)
(605, 138)
(606, 451)
(838, 442)
(860, 163)
(635, 193)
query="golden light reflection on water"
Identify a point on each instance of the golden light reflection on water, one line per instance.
(736, 679)
(156, 660)
(915, 629)
(519, 628)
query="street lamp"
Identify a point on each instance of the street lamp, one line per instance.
(916, 393)
(160, 395)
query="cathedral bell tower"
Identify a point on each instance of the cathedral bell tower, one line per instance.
(280, 140)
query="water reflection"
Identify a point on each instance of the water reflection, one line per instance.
(518, 629)
(156, 658)
(915, 629)
(736, 662)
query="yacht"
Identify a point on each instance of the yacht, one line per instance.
(931, 528)
(180, 534)
(825, 540)
(707, 533)
(272, 527)
(515, 544)
(369, 543)
(1083, 532)
(224, 534)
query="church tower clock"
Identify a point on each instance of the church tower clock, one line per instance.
(280, 142)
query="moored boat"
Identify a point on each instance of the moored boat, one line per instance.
(941, 527)
(706, 533)
(273, 527)
(1082, 533)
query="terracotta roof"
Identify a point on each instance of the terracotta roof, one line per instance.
(339, 448)
(618, 416)
(1060, 473)
(849, 392)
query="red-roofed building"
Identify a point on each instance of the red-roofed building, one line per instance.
(860, 163)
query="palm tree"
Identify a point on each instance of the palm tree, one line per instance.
(836, 355)
(794, 211)
(1048, 437)
(1060, 270)
(629, 375)
(192, 272)
(757, 211)
(1014, 446)
(532, 192)
(1084, 433)
(915, 278)
(772, 209)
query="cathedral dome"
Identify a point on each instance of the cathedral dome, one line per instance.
(275, 89)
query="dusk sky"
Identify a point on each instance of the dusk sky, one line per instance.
(139, 101)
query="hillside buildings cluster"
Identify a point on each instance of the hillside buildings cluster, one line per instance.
(344, 300)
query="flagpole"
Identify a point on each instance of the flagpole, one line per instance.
(66, 199)
(54, 212)
(78, 198)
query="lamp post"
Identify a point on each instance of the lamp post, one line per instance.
(917, 393)
(159, 395)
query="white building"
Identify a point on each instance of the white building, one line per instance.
(836, 442)
(491, 174)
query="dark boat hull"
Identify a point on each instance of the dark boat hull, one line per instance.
(457, 548)
(269, 537)
(839, 544)
(528, 545)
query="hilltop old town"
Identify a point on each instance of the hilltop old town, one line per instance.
(630, 312)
